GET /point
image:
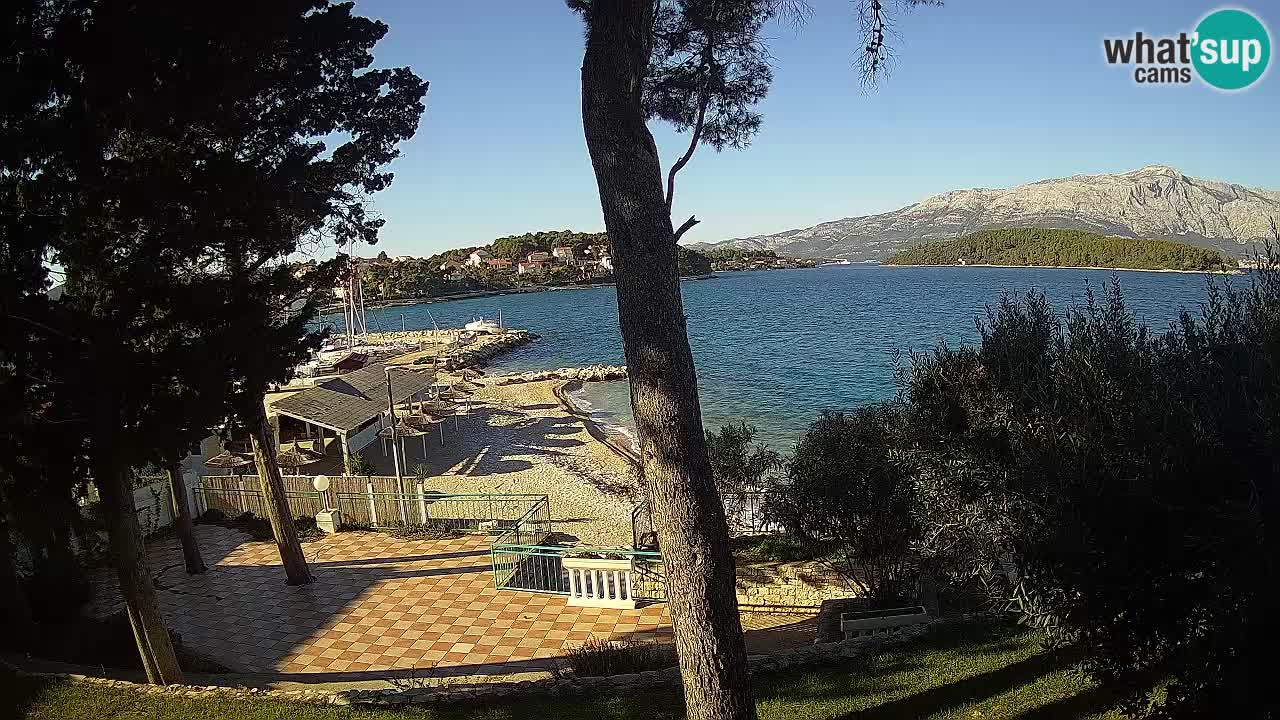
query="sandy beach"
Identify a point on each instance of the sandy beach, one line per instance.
(521, 439)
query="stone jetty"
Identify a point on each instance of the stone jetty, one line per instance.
(454, 348)
(590, 373)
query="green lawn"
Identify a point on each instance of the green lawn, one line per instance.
(963, 671)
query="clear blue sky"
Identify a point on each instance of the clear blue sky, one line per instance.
(985, 93)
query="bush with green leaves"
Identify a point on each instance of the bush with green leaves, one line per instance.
(844, 496)
(357, 465)
(604, 658)
(737, 463)
(1129, 480)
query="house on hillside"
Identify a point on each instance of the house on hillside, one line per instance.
(606, 262)
(538, 257)
(450, 266)
(478, 257)
(532, 265)
(499, 264)
(564, 254)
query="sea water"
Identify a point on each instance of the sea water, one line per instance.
(776, 348)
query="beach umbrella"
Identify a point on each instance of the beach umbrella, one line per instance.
(442, 408)
(229, 460)
(295, 457)
(406, 428)
(431, 415)
(459, 396)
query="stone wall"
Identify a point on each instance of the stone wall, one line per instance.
(798, 584)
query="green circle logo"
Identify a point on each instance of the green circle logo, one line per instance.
(1232, 49)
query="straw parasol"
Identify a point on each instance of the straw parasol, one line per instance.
(460, 396)
(229, 460)
(442, 407)
(295, 457)
(405, 428)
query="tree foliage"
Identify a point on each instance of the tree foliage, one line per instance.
(171, 174)
(737, 463)
(1126, 477)
(846, 499)
(1063, 248)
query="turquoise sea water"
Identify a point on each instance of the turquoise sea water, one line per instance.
(775, 348)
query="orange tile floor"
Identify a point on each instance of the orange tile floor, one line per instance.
(383, 604)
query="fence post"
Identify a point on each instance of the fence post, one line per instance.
(422, 504)
(373, 509)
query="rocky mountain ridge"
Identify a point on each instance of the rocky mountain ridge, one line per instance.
(1157, 202)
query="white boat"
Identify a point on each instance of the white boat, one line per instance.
(844, 261)
(480, 325)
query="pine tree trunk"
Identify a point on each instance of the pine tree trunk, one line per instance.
(15, 611)
(128, 551)
(277, 505)
(182, 519)
(687, 511)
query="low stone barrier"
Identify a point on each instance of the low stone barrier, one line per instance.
(798, 584)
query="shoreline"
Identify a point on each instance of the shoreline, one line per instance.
(595, 429)
(473, 294)
(1072, 267)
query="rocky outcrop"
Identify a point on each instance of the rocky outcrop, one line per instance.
(590, 373)
(1155, 202)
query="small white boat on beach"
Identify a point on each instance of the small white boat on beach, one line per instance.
(480, 325)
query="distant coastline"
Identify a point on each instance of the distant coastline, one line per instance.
(1069, 267)
(471, 294)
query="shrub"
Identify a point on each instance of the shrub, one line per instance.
(781, 547)
(776, 547)
(600, 658)
(57, 586)
(259, 527)
(1130, 477)
(844, 498)
(431, 530)
(737, 463)
(358, 465)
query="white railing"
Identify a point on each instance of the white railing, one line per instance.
(599, 582)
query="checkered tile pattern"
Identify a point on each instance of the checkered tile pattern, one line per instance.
(380, 605)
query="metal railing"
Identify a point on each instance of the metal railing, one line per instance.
(540, 568)
(744, 511)
(234, 502)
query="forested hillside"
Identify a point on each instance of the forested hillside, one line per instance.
(1062, 248)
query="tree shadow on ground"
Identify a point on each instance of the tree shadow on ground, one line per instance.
(963, 692)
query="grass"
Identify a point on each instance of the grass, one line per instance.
(961, 671)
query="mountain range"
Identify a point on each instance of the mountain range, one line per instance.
(1156, 202)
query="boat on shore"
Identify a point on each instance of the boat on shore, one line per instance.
(481, 325)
